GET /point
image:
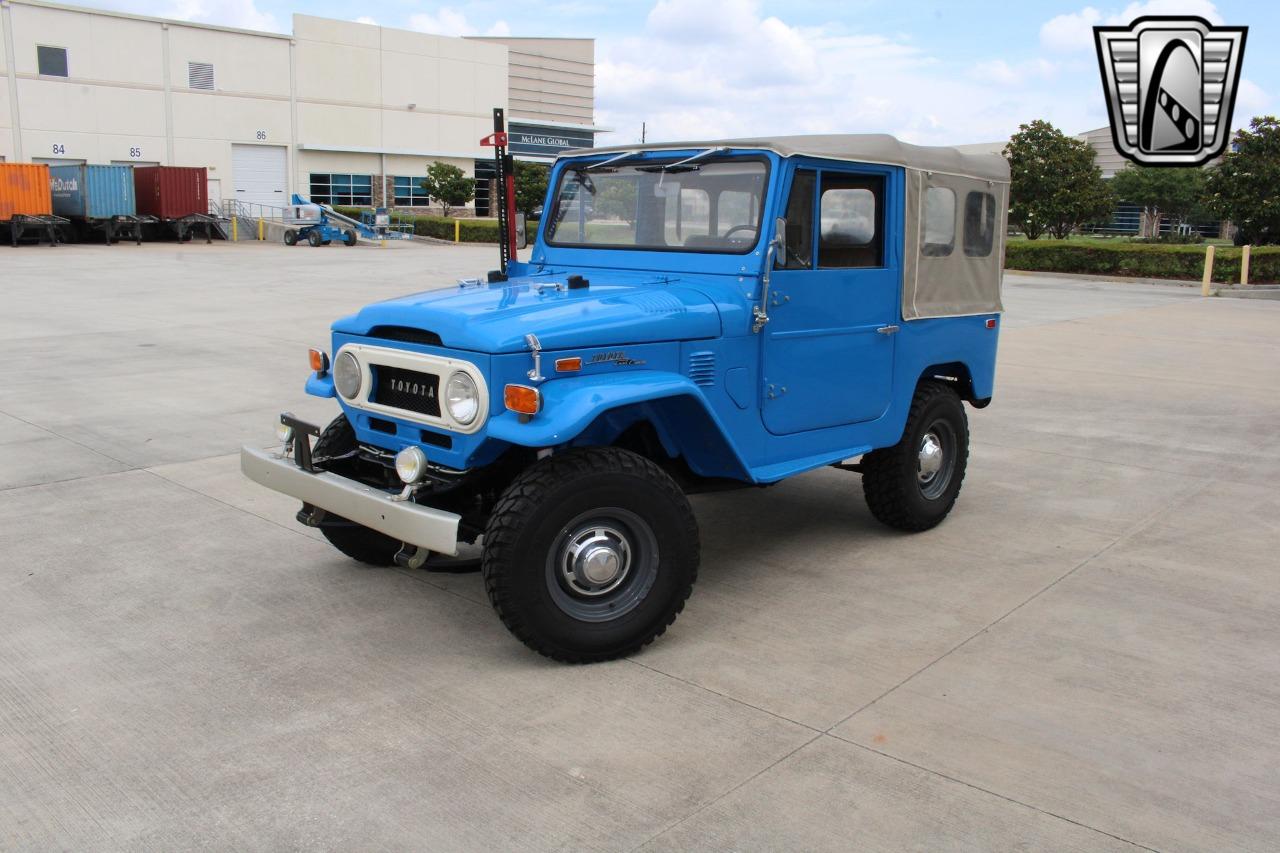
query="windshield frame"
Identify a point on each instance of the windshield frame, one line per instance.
(659, 158)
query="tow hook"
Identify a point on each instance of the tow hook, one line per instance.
(411, 556)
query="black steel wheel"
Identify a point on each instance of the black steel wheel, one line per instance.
(314, 239)
(357, 542)
(291, 237)
(590, 554)
(914, 484)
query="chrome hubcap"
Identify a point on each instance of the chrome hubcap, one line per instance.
(595, 560)
(930, 458)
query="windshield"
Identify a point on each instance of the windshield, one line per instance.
(712, 206)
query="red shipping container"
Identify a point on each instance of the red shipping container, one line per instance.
(24, 189)
(171, 192)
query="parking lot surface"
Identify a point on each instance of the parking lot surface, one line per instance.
(1084, 656)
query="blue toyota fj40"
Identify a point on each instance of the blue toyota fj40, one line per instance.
(692, 316)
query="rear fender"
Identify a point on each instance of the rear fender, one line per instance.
(592, 410)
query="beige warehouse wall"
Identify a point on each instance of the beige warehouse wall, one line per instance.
(93, 43)
(550, 79)
(242, 63)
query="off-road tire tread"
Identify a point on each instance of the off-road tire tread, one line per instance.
(522, 498)
(882, 484)
(359, 543)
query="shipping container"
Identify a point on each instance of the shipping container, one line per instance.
(171, 192)
(24, 190)
(92, 192)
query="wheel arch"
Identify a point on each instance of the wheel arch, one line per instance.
(958, 375)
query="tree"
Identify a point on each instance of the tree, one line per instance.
(1243, 187)
(1055, 185)
(1162, 191)
(448, 185)
(531, 186)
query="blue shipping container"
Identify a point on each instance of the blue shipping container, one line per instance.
(92, 192)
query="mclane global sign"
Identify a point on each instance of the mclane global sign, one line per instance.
(547, 141)
(1171, 87)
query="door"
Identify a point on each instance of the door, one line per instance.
(833, 307)
(258, 173)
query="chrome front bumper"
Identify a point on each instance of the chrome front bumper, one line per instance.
(433, 529)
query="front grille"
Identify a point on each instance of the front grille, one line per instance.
(406, 389)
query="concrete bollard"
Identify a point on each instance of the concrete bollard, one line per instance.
(1244, 265)
(1206, 286)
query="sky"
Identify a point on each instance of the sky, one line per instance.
(927, 72)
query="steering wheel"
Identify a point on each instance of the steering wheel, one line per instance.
(727, 234)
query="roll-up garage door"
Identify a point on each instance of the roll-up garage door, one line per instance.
(258, 173)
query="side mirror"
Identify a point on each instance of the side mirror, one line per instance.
(522, 232)
(779, 243)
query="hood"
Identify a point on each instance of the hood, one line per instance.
(613, 309)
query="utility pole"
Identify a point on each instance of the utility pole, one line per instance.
(642, 132)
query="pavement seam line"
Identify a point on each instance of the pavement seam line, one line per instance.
(733, 699)
(283, 527)
(700, 809)
(988, 791)
(1133, 529)
(51, 432)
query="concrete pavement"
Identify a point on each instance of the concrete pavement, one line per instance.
(1085, 656)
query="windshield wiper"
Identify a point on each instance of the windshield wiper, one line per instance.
(596, 167)
(688, 164)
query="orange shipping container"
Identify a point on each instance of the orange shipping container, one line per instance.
(24, 188)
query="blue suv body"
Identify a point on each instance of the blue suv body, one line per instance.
(692, 316)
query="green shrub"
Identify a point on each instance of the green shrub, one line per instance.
(1141, 260)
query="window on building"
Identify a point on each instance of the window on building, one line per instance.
(939, 222)
(52, 60)
(345, 190)
(849, 221)
(408, 192)
(200, 75)
(979, 224)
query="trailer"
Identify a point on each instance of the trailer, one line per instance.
(178, 199)
(26, 204)
(98, 198)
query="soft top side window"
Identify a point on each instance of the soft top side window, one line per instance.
(979, 224)
(939, 222)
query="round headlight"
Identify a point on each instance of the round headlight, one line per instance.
(346, 375)
(411, 463)
(462, 399)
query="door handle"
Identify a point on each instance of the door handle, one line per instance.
(888, 330)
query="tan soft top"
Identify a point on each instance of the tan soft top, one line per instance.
(857, 147)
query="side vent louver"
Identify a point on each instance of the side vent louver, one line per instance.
(200, 75)
(702, 368)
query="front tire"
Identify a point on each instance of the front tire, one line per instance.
(314, 240)
(590, 554)
(357, 542)
(913, 485)
(349, 238)
(291, 237)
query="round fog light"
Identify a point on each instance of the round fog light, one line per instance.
(284, 432)
(411, 464)
(346, 375)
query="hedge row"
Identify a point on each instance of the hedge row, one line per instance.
(1141, 260)
(441, 227)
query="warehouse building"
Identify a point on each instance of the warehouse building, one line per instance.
(342, 112)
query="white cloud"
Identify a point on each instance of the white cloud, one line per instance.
(244, 14)
(449, 21)
(1074, 31)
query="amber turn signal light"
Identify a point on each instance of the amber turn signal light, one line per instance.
(522, 399)
(319, 361)
(568, 365)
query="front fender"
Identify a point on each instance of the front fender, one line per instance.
(570, 405)
(685, 422)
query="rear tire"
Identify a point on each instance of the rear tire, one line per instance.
(357, 542)
(913, 485)
(314, 239)
(349, 238)
(590, 554)
(291, 237)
